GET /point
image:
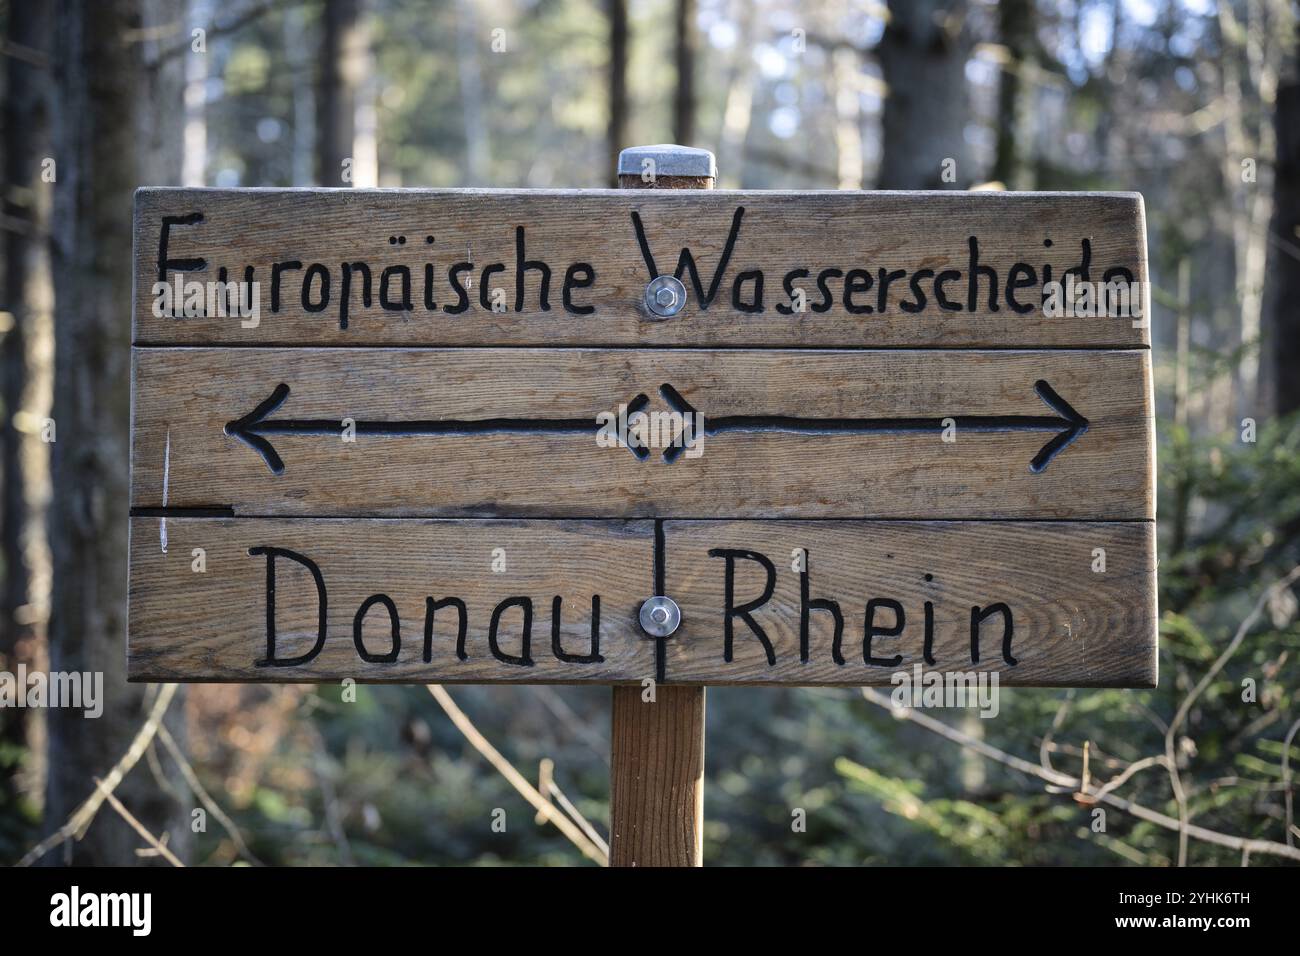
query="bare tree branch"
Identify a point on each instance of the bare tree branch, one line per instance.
(1072, 784)
(515, 778)
(79, 822)
(192, 779)
(1286, 781)
(137, 826)
(232, 25)
(1171, 759)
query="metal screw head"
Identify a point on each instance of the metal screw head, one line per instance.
(660, 616)
(665, 296)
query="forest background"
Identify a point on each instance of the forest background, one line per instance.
(1195, 104)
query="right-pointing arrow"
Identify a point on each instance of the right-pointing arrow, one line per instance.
(1071, 422)
(1067, 423)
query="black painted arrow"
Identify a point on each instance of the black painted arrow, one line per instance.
(252, 428)
(1067, 423)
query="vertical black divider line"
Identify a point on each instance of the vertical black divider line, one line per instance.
(661, 557)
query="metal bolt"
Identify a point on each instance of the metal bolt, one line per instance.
(665, 296)
(660, 616)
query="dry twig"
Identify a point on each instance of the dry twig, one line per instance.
(191, 778)
(1171, 762)
(78, 823)
(503, 766)
(137, 826)
(1069, 783)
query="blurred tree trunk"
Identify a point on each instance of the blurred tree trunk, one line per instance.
(195, 159)
(26, 383)
(360, 56)
(1013, 166)
(617, 130)
(684, 96)
(844, 87)
(117, 127)
(1249, 52)
(1111, 77)
(299, 61)
(1282, 305)
(478, 154)
(738, 109)
(923, 56)
(336, 100)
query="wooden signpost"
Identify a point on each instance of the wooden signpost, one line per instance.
(465, 435)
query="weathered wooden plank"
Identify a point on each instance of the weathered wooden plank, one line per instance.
(212, 624)
(589, 242)
(761, 464)
(1071, 624)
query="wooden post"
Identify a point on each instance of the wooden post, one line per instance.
(656, 770)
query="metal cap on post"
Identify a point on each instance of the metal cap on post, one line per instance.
(667, 159)
(666, 166)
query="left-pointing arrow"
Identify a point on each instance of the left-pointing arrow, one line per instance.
(247, 429)
(253, 428)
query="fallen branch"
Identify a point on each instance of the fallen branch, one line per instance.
(567, 805)
(192, 779)
(1171, 761)
(1286, 781)
(503, 766)
(137, 826)
(78, 823)
(1072, 784)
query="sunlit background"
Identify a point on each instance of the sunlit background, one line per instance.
(1171, 98)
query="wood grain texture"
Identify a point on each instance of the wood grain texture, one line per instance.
(185, 398)
(656, 763)
(212, 626)
(778, 233)
(1072, 625)
(656, 777)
